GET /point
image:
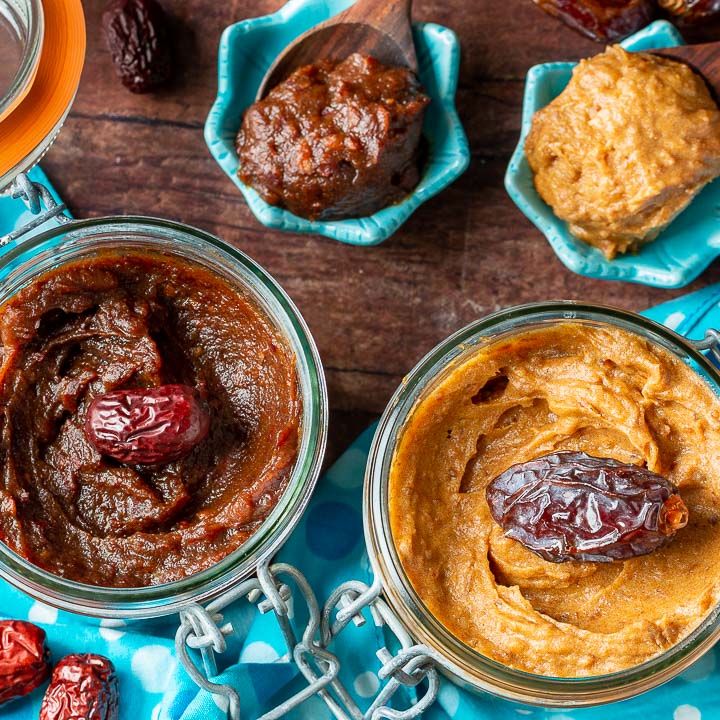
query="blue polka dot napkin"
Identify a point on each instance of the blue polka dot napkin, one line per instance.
(328, 547)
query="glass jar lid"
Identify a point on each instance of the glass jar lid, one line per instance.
(45, 44)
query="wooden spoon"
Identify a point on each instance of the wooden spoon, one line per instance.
(704, 59)
(380, 28)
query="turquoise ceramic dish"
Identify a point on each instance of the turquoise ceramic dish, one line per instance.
(246, 51)
(679, 254)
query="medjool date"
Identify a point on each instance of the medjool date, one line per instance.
(136, 35)
(692, 11)
(572, 506)
(601, 20)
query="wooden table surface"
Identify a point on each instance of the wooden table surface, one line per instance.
(373, 311)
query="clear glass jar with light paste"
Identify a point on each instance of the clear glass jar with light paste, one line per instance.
(463, 664)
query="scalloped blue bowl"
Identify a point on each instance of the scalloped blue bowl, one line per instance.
(246, 51)
(678, 255)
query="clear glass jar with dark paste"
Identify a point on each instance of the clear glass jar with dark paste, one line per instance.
(153, 257)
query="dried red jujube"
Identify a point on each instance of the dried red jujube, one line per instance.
(24, 659)
(602, 20)
(137, 37)
(148, 425)
(692, 11)
(572, 506)
(83, 687)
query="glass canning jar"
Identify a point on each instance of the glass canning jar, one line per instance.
(42, 51)
(21, 37)
(461, 663)
(84, 239)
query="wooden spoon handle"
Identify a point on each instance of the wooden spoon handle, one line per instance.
(386, 15)
(704, 59)
(389, 17)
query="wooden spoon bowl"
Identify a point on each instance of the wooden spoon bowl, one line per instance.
(703, 58)
(380, 28)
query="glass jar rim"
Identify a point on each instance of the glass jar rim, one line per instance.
(464, 664)
(29, 58)
(157, 600)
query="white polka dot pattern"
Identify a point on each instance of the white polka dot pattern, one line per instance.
(701, 669)
(222, 702)
(42, 614)
(259, 652)
(366, 684)
(110, 634)
(153, 665)
(686, 712)
(450, 699)
(345, 474)
(674, 319)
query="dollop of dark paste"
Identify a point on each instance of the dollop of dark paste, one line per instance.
(133, 321)
(336, 139)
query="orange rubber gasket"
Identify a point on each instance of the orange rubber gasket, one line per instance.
(54, 87)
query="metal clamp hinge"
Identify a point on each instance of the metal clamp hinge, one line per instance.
(710, 342)
(277, 589)
(36, 197)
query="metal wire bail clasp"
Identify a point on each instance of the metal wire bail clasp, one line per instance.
(282, 590)
(710, 342)
(35, 196)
